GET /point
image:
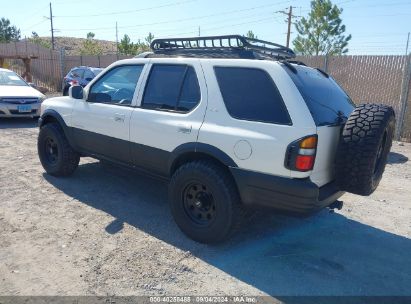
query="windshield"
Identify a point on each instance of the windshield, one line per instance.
(11, 79)
(326, 100)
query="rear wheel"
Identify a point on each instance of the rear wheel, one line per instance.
(56, 155)
(363, 149)
(204, 202)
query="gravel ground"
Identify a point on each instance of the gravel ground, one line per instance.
(108, 231)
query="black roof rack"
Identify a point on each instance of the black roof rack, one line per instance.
(229, 46)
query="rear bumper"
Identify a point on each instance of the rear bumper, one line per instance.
(299, 196)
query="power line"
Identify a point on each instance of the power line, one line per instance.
(181, 19)
(129, 11)
(225, 21)
(33, 15)
(382, 4)
(366, 5)
(31, 27)
(264, 20)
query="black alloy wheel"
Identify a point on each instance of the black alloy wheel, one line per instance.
(199, 203)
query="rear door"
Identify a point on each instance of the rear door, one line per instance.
(170, 112)
(330, 107)
(252, 115)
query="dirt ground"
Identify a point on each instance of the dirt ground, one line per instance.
(108, 231)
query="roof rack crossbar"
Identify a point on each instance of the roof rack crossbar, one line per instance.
(225, 43)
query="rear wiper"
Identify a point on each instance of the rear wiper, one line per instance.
(322, 72)
(339, 120)
(341, 117)
(290, 66)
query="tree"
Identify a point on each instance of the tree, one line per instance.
(90, 46)
(40, 41)
(322, 33)
(90, 35)
(141, 47)
(251, 35)
(149, 38)
(8, 32)
(125, 46)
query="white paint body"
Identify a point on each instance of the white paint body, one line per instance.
(255, 146)
(18, 93)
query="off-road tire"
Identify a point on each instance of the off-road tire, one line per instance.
(228, 208)
(363, 148)
(66, 160)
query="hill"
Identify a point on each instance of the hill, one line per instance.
(73, 45)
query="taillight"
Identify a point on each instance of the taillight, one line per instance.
(301, 154)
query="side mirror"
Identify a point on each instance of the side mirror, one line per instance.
(76, 92)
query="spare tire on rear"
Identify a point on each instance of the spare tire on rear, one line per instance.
(363, 148)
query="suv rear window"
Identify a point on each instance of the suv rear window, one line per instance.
(250, 94)
(326, 100)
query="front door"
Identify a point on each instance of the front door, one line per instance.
(101, 122)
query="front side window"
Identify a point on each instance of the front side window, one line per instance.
(172, 88)
(117, 86)
(250, 94)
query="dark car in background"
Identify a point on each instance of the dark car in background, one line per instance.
(81, 75)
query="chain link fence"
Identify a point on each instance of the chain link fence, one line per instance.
(367, 79)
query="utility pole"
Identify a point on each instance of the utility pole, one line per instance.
(52, 28)
(199, 31)
(405, 87)
(290, 16)
(116, 39)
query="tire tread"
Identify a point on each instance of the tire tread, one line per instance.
(360, 139)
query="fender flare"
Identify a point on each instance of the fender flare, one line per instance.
(197, 147)
(55, 115)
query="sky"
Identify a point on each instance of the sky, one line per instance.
(377, 26)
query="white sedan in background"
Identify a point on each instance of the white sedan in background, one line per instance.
(17, 97)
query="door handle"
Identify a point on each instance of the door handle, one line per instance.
(119, 117)
(184, 129)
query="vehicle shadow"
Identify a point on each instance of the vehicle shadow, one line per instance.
(396, 158)
(327, 254)
(17, 123)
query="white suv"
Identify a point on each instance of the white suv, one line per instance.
(232, 122)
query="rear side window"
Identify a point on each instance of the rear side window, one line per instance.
(250, 94)
(327, 102)
(77, 73)
(172, 87)
(88, 75)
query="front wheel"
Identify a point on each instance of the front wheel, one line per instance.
(205, 202)
(56, 155)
